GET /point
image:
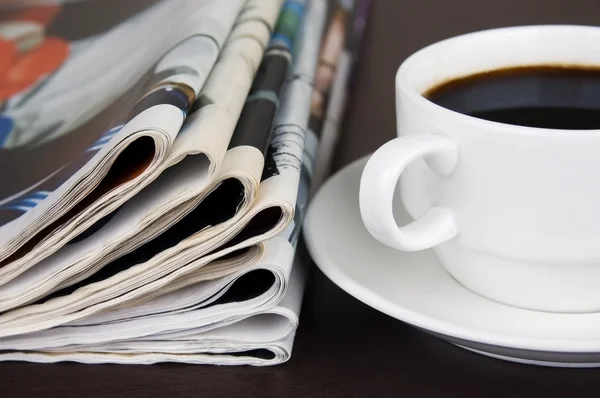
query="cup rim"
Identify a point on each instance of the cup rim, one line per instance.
(404, 87)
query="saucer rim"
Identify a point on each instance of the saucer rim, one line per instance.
(397, 311)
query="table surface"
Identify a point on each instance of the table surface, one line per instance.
(344, 348)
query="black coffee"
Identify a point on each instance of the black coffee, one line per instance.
(544, 96)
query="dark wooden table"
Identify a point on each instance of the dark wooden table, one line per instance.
(344, 348)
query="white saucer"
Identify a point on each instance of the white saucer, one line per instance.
(413, 287)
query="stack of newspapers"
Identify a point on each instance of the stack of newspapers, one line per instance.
(156, 160)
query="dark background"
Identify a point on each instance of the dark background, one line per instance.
(344, 348)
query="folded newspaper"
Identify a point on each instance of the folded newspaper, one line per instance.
(155, 174)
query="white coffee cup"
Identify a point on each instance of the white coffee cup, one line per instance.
(512, 212)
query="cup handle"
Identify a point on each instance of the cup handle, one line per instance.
(378, 183)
